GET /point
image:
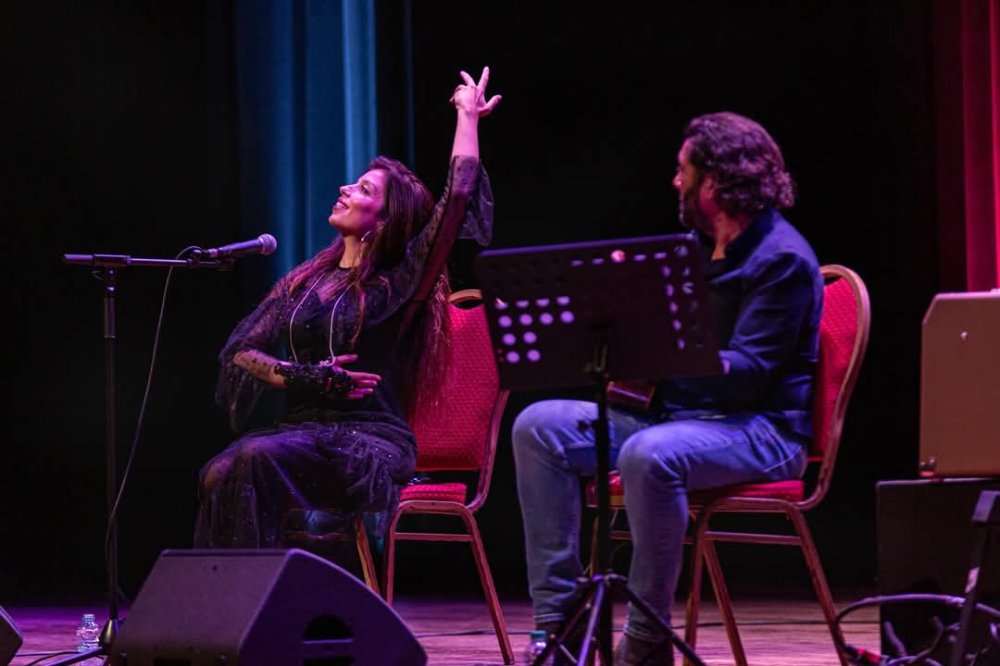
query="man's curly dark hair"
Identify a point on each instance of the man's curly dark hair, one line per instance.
(745, 161)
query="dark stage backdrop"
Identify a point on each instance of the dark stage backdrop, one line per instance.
(121, 139)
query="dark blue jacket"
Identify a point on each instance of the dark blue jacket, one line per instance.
(767, 297)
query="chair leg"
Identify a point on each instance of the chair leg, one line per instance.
(706, 555)
(820, 585)
(489, 590)
(694, 597)
(389, 563)
(365, 555)
(724, 600)
(613, 535)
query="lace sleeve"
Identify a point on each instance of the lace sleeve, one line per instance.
(465, 210)
(237, 390)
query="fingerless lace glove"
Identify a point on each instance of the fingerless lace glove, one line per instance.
(326, 379)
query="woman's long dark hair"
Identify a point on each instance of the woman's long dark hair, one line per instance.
(425, 346)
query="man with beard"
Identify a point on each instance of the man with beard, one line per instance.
(750, 424)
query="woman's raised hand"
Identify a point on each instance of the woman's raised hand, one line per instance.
(470, 96)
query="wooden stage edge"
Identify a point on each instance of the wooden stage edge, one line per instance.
(775, 631)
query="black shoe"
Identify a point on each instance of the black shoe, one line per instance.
(635, 652)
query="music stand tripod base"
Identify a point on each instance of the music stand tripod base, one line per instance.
(585, 314)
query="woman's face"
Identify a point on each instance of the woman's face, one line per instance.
(358, 210)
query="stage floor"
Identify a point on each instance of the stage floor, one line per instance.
(775, 632)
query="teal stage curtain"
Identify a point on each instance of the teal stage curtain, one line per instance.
(306, 115)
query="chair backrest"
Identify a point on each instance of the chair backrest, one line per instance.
(460, 432)
(842, 343)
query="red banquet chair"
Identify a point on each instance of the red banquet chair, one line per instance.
(843, 340)
(459, 435)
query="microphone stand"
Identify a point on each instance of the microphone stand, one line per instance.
(107, 273)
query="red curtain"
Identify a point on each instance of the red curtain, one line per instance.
(981, 103)
(967, 107)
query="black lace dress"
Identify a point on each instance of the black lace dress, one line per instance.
(354, 455)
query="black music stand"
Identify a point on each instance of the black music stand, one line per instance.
(586, 314)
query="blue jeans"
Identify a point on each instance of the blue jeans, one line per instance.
(659, 463)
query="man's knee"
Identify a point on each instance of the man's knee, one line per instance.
(537, 417)
(645, 456)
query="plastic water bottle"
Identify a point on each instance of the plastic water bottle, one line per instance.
(535, 648)
(88, 633)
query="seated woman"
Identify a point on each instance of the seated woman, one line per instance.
(376, 299)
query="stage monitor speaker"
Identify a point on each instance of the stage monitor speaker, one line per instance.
(925, 543)
(10, 638)
(259, 608)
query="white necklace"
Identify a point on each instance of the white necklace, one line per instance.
(333, 314)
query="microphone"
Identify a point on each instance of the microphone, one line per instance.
(263, 244)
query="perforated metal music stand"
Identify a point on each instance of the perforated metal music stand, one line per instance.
(585, 314)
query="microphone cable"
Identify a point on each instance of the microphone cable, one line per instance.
(113, 515)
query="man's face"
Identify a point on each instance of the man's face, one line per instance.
(689, 184)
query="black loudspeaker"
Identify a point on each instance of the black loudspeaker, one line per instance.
(10, 638)
(925, 544)
(259, 608)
